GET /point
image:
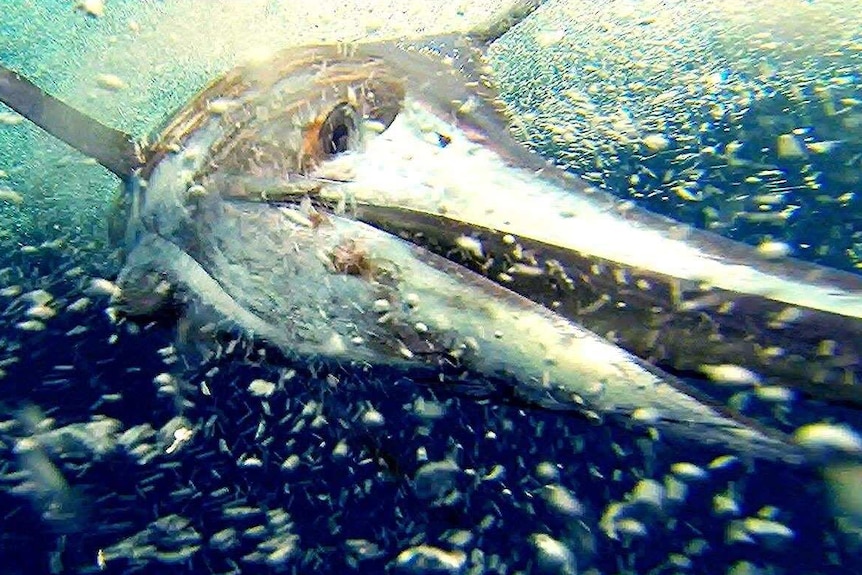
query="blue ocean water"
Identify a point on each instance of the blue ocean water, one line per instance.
(334, 472)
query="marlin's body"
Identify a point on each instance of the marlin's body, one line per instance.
(274, 201)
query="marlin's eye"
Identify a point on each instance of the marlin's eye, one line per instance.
(339, 131)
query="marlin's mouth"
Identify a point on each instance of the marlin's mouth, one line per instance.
(323, 135)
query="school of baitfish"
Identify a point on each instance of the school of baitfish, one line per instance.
(253, 223)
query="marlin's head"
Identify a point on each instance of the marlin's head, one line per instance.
(250, 179)
(249, 212)
(229, 181)
(242, 210)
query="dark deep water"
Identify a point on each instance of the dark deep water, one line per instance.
(341, 469)
(354, 482)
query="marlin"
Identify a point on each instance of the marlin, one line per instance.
(368, 204)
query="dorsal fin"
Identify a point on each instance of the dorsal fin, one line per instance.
(504, 20)
(466, 51)
(112, 148)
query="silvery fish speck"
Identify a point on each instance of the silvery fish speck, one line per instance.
(367, 204)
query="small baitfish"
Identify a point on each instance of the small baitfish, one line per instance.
(368, 204)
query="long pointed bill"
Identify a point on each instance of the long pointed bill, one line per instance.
(681, 297)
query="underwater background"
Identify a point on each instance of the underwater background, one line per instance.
(740, 117)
